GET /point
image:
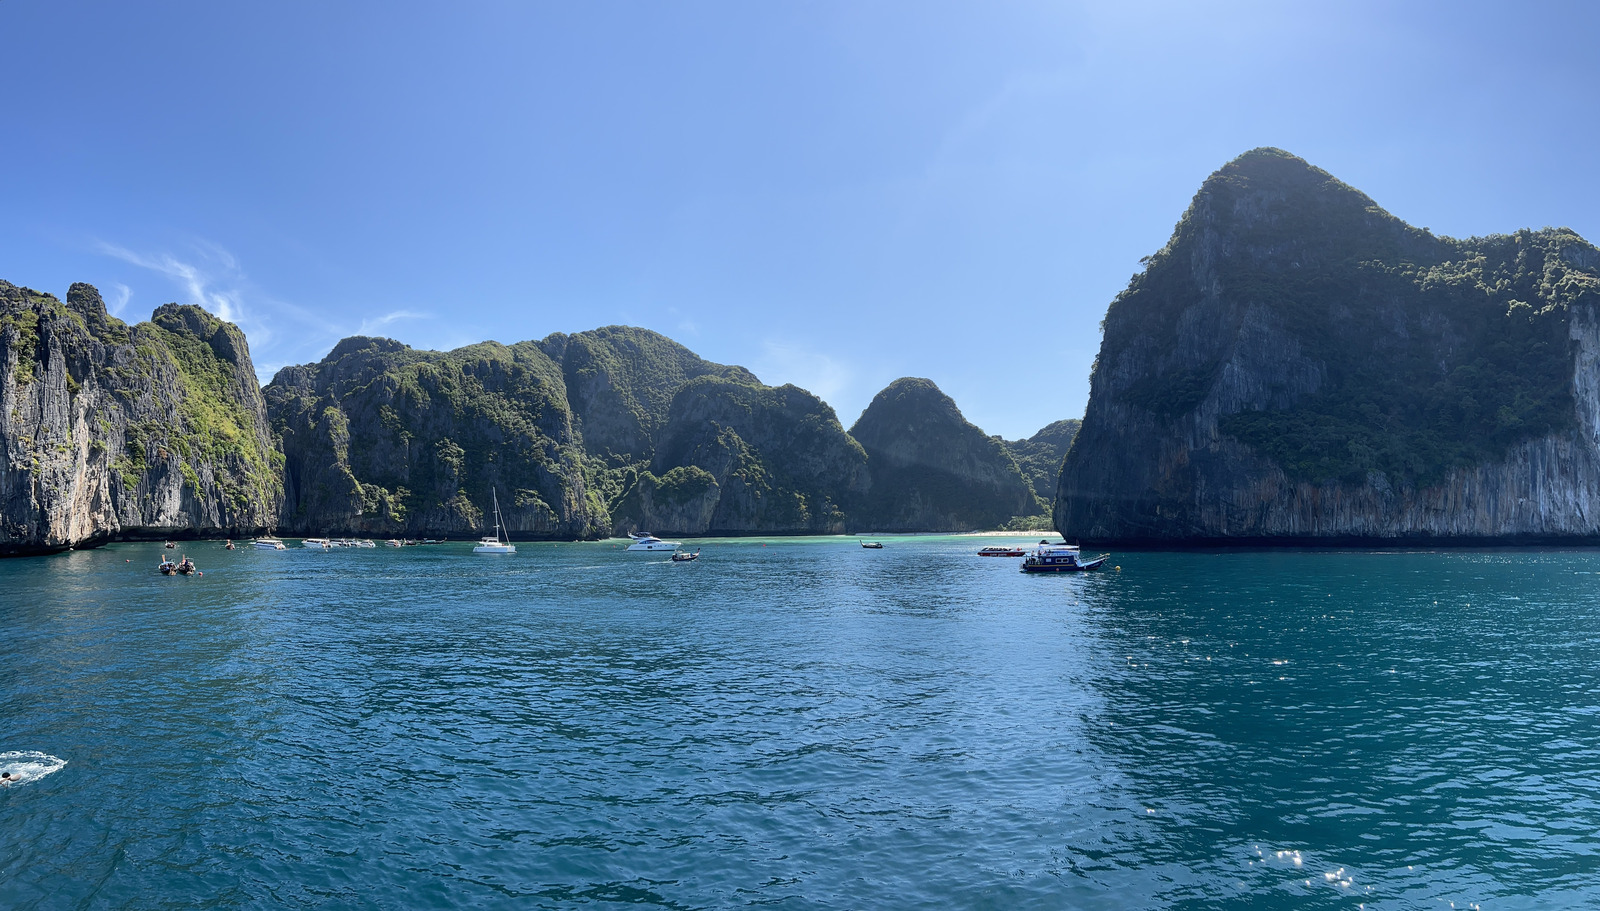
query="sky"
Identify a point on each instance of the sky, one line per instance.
(833, 194)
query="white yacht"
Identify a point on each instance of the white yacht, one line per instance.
(651, 542)
(493, 545)
(268, 543)
(316, 543)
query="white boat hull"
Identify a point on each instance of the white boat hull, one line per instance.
(494, 549)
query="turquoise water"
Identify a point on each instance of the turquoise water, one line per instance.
(801, 724)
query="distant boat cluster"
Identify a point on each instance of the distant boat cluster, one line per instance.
(1048, 557)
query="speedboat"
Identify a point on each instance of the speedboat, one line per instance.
(872, 545)
(651, 542)
(268, 543)
(1060, 558)
(317, 543)
(1000, 551)
(684, 556)
(492, 544)
(393, 542)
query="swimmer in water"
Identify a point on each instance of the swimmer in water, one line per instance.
(6, 780)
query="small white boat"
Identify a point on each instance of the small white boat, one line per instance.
(365, 543)
(393, 542)
(316, 543)
(268, 543)
(651, 542)
(493, 545)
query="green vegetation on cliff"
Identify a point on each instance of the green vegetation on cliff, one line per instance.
(1039, 458)
(113, 429)
(220, 407)
(1433, 353)
(382, 438)
(932, 469)
(778, 456)
(620, 382)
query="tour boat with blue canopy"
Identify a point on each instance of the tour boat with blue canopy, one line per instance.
(1060, 558)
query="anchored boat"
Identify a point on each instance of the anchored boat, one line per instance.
(1060, 558)
(493, 545)
(643, 541)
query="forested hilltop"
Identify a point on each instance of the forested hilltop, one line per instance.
(608, 431)
(1298, 364)
(161, 430)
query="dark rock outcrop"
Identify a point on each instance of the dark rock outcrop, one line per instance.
(108, 430)
(380, 439)
(620, 381)
(931, 469)
(738, 457)
(1040, 456)
(1297, 364)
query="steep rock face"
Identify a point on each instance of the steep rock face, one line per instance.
(737, 457)
(1297, 364)
(380, 439)
(158, 429)
(1039, 457)
(931, 469)
(620, 381)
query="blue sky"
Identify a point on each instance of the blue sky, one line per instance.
(832, 194)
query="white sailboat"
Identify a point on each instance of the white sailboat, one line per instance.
(494, 545)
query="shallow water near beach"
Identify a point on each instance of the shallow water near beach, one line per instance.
(801, 723)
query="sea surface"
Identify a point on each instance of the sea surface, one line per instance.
(800, 723)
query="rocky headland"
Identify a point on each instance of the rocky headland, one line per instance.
(1297, 365)
(161, 430)
(931, 468)
(110, 430)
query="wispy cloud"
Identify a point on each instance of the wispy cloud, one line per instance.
(369, 326)
(792, 362)
(118, 303)
(199, 281)
(281, 332)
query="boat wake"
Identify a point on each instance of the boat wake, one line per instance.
(28, 766)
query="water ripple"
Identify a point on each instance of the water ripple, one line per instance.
(802, 724)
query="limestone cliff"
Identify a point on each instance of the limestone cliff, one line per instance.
(111, 430)
(1297, 364)
(381, 439)
(1040, 457)
(620, 382)
(737, 457)
(932, 470)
